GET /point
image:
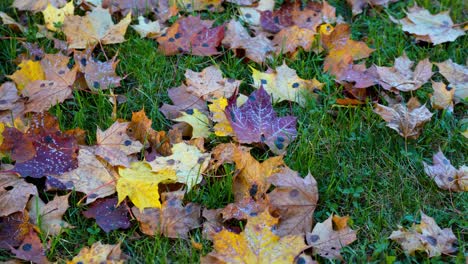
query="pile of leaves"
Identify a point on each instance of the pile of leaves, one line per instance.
(135, 172)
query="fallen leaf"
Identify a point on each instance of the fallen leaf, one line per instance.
(430, 28)
(173, 220)
(55, 16)
(95, 27)
(256, 244)
(256, 122)
(401, 77)
(138, 7)
(427, 236)
(191, 35)
(252, 177)
(99, 253)
(13, 229)
(11, 105)
(209, 84)
(407, 120)
(457, 75)
(328, 241)
(222, 128)
(212, 223)
(109, 216)
(14, 193)
(295, 200)
(90, 177)
(29, 71)
(182, 101)
(190, 5)
(187, 161)
(37, 5)
(285, 85)
(31, 249)
(198, 121)
(244, 208)
(140, 184)
(147, 28)
(358, 5)
(289, 39)
(49, 216)
(114, 145)
(358, 75)
(257, 48)
(251, 14)
(442, 97)
(224, 153)
(99, 75)
(445, 175)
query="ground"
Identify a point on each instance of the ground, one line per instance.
(363, 168)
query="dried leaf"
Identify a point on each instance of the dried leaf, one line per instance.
(183, 101)
(147, 28)
(49, 216)
(457, 75)
(445, 175)
(31, 249)
(13, 229)
(290, 39)
(358, 5)
(99, 253)
(209, 84)
(14, 193)
(29, 71)
(198, 121)
(55, 16)
(442, 97)
(109, 216)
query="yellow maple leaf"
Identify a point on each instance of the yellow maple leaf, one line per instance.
(29, 71)
(285, 85)
(55, 16)
(256, 244)
(187, 161)
(222, 128)
(140, 184)
(198, 121)
(2, 128)
(99, 253)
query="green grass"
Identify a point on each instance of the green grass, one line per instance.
(363, 168)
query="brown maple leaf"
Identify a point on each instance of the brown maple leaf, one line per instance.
(445, 175)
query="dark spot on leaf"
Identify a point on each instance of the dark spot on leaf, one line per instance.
(316, 90)
(51, 83)
(295, 85)
(448, 88)
(263, 81)
(279, 142)
(253, 190)
(92, 196)
(251, 98)
(253, 214)
(276, 20)
(262, 138)
(205, 45)
(42, 85)
(189, 5)
(333, 248)
(80, 262)
(450, 179)
(127, 142)
(200, 160)
(27, 247)
(188, 209)
(8, 188)
(96, 85)
(431, 240)
(233, 116)
(189, 111)
(294, 193)
(179, 49)
(309, 19)
(230, 80)
(164, 34)
(177, 35)
(61, 72)
(83, 62)
(314, 238)
(170, 162)
(300, 260)
(248, 15)
(171, 39)
(48, 139)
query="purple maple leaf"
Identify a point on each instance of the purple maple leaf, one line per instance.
(256, 121)
(108, 215)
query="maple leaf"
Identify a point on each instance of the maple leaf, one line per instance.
(285, 85)
(37, 5)
(430, 28)
(140, 184)
(191, 35)
(445, 175)
(289, 39)
(49, 216)
(173, 220)
(222, 127)
(407, 120)
(256, 48)
(442, 97)
(224, 153)
(13, 229)
(401, 77)
(198, 121)
(187, 161)
(14, 193)
(244, 208)
(342, 50)
(358, 5)
(29, 71)
(31, 249)
(457, 75)
(11, 105)
(357, 76)
(109, 216)
(256, 244)
(252, 178)
(251, 13)
(209, 84)
(183, 101)
(90, 177)
(98, 74)
(147, 28)
(125, 7)
(55, 16)
(295, 199)
(115, 146)
(190, 5)
(427, 236)
(99, 253)
(95, 27)
(256, 122)
(328, 241)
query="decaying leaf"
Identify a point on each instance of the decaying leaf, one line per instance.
(198, 121)
(442, 97)
(29, 71)
(295, 199)
(256, 244)
(401, 77)
(190, 5)
(11, 105)
(55, 16)
(13, 229)
(173, 220)
(114, 145)
(147, 28)
(251, 13)
(37, 5)
(49, 215)
(407, 120)
(445, 175)
(95, 27)
(14, 193)
(289, 39)
(257, 122)
(31, 249)
(427, 236)
(209, 84)
(140, 184)
(222, 127)
(191, 35)
(457, 75)
(358, 5)
(327, 241)
(99, 75)
(109, 216)
(257, 48)
(99, 253)
(182, 101)
(424, 26)
(244, 208)
(284, 84)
